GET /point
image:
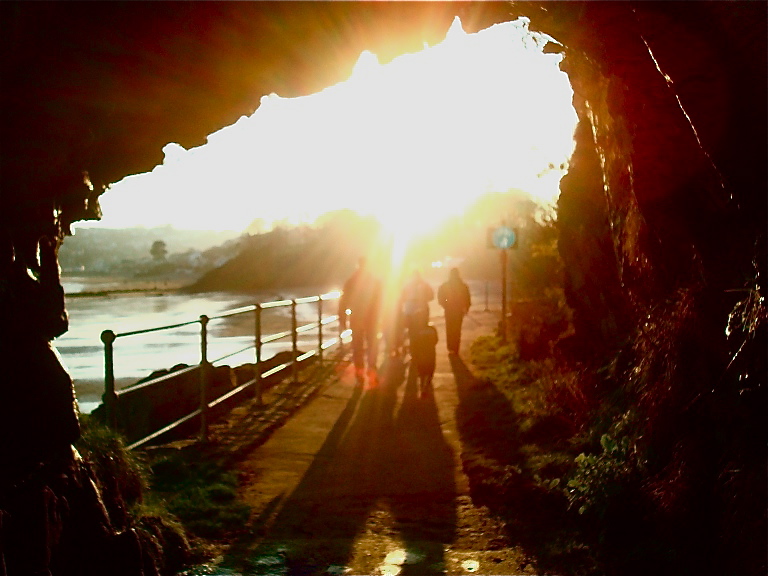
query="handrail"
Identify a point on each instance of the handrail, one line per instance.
(156, 380)
(276, 304)
(112, 396)
(306, 327)
(235, 353)
(307, 299)
(164, 429)
(156, 329)
(276, 336)
(234, 312)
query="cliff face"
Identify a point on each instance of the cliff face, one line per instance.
(662, 221)
(666, 186)
(662, 216)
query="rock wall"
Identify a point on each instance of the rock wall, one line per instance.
(666, 186)
(662, 222)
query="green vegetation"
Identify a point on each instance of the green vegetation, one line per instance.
(183, 505)
(520, 451)
(123, 478)
(642, 458)
(326, 252)
(201, 492)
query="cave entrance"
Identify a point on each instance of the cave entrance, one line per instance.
(412, 142)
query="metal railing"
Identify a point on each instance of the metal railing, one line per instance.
(112, 396)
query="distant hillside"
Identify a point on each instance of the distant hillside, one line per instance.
(100, 251)
(324, 255)
(297, 257)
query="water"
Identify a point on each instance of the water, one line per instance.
(135, 357)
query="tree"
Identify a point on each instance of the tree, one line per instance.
(158, 251)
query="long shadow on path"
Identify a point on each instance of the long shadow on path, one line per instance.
(484, 416)
(534, 518)
(384, 475)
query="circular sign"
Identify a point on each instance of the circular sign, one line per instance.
(504, 237)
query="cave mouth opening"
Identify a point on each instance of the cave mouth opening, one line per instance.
(412, 143)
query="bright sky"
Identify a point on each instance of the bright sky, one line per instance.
(410, 142)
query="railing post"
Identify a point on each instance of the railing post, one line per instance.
(110, 397)
(320, 328)
(503, 323)
(294, 342)
(257, 344)
(340, 331)
(204, 378)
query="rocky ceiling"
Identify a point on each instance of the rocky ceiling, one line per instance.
(101, 87)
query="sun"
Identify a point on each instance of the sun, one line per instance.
(477, 113)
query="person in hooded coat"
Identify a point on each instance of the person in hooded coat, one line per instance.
(453, 296)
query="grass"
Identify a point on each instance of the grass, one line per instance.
(199, 491)
(182, 503)
(521, 448)
(124, 479)
(645, 464)
(568, 481)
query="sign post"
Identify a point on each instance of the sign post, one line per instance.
(503, 237)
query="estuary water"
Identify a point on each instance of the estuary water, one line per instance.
(135, 357)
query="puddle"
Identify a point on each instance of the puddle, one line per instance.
(269, 564)
(206, 570)
(401, 556)
(394, 561)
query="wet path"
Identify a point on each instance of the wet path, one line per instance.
(369, 481)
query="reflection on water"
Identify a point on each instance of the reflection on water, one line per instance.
(82, 351)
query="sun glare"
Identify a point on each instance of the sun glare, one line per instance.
(411, 142)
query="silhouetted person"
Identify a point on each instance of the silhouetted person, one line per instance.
(423, 341)
(361, 299)
(414, 302)
(453, 296)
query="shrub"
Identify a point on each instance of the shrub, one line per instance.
(598, 478)
(122, 475)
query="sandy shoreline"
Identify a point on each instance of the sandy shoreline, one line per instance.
(82, 286)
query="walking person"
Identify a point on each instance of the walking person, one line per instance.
(414, 302)
(360, 305)
(453, 296)
(423, 342)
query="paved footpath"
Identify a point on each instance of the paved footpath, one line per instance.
(369, 481)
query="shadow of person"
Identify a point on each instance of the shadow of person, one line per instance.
(484, 417)
(316, 528)
(337, 494)
(294, 513)
(487, 426)
(422, 490)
